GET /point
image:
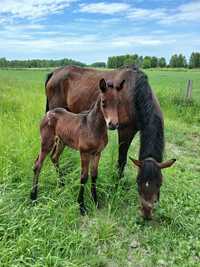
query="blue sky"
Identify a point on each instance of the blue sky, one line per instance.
(91, 31)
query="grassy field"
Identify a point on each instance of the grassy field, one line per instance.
(52, 233)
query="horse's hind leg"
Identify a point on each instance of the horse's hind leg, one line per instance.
(55, 155)
(125, 137)
(37, 168)
(94, 174)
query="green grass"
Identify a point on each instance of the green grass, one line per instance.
(52, 233)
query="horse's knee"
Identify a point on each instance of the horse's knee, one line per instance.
(36, 168)
(94, 177)
(84, 178)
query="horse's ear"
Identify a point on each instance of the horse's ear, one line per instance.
(102, 85)
(167, 164)
(136, 162)
(121, 85)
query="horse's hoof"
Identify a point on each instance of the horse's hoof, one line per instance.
(33, 196)
(83, 211)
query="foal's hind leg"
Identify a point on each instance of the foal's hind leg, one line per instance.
(55, 155)
(37, 168)
(47, 140)
(94, 174)
(85, 161)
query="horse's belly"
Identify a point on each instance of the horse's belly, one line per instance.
(81, 97)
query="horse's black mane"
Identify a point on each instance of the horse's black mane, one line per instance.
(149, 121)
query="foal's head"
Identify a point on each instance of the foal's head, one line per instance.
(110, 102)
(149, 181)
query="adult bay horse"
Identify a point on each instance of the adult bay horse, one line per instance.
(76, 89)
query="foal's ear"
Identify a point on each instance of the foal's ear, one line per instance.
(121, 85)
(167, 164)
(136, 162)
(102, 85)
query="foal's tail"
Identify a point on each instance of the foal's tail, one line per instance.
(49, 75)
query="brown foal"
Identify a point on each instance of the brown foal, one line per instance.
(86, 132)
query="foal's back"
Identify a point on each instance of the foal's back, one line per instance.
(73, 129)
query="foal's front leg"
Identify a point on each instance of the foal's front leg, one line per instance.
(55, 155)
(94, 174)
(85, 160)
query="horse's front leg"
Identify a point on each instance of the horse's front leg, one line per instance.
(94, 173)
(125, 137)
(85, 160)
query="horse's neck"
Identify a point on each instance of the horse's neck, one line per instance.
(152, 139)
(96, 119)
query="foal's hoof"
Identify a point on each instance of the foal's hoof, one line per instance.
(33, 196)
(83, 211)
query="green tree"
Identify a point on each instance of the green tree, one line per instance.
(98, 65)
(162, 62)
(3, 62)
(194, 61)
(154, 62)
(146, 62)
(173, 61)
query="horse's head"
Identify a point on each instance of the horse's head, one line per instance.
(149, 181)
(110, 102)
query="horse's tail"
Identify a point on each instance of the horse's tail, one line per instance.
(47, 104)
(49, 75)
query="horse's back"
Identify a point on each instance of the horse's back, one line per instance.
(74, 88)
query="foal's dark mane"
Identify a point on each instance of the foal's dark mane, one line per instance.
(149, 120)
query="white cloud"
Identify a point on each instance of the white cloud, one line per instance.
(189, 12)
(146, 14)
(141, 40)
(104, 8)
(32, 8)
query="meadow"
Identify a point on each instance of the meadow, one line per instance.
(52, 232)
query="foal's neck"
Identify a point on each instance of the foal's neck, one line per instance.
(96, 118)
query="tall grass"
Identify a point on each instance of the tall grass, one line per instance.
(52, 233)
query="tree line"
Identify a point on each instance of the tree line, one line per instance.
(38, 63)
(176, 61)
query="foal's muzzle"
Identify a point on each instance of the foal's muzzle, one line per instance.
(112, 126)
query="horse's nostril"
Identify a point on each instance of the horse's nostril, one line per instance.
(117, 125)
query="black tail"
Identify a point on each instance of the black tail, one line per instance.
(47, 105)
(49, 75)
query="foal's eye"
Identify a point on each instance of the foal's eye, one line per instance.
(103, 103)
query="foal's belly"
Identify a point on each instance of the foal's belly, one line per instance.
(68, 132)
(92, 145)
